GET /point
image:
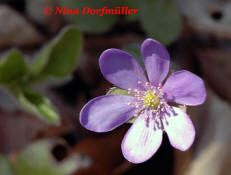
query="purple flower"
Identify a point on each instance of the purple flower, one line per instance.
(148, 101)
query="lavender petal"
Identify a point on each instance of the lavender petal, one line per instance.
(104, 113)
(184, 87)
(121, 69)
(156, 60)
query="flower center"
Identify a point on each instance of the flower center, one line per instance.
(151, 100)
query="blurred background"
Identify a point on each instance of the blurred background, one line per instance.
(49, 70)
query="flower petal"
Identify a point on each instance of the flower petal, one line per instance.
(104, 113)
(184, 87)
(141, 140)
(156, 60)
(180, 130)
(121, 69)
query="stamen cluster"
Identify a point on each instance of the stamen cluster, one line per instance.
(152, 101)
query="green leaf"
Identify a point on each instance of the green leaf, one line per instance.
(161, 20)
(5, 168)
(37, 159)
(38, 104)
(90, 23)
(12, 67)
(132, 120)
(117, 91)
(59, 57)
(134, 50)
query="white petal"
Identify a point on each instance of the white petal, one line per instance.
(180, 130)
(141, 141)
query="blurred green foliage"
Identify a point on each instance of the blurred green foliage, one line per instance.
(37, 159)
(37, 104)
(57, 59)
(12, 67)
(160, 19)
(5, 166)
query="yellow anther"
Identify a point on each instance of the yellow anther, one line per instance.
(151, 100)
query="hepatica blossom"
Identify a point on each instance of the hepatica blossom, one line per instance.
(148, 101)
